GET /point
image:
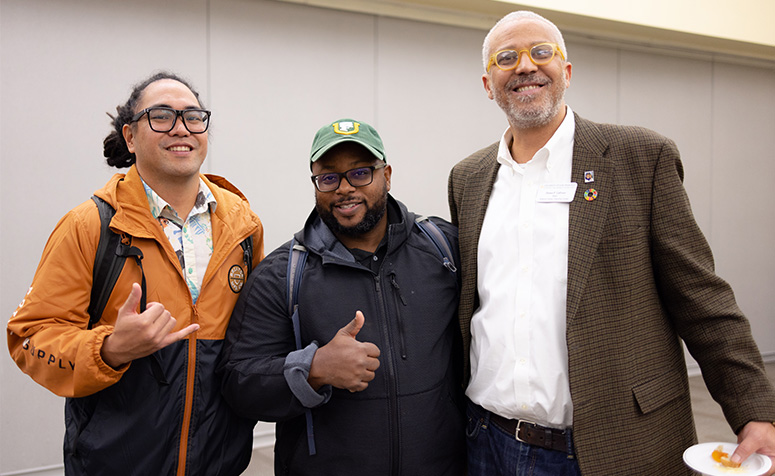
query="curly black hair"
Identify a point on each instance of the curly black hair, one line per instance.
(114, 146)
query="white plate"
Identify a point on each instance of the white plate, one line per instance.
(698, 457)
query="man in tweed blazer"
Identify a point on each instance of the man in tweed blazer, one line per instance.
(636, 277)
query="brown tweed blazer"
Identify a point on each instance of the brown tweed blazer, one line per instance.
(640, 279)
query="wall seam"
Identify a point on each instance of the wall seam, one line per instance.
(208, 72)
(375, 65)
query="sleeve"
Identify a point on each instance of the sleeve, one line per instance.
(296, 371)
(257, 347)
(702, 305)
(47, 334)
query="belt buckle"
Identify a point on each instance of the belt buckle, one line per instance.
(516, 432)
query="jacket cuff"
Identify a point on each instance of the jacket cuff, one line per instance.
(296, 371)
(109, 372)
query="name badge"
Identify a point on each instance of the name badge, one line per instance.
(556, 192)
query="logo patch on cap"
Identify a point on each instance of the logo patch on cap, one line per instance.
(236, 278)
(346, 127)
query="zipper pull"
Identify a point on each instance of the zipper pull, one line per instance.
(397, 288)
(399, 317)
(448, 264)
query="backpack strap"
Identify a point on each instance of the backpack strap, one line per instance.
(297, 259)
(434, 233)
(247, 254)
(112, 251)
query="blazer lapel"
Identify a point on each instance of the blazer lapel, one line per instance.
(587, 214)
(476, 196)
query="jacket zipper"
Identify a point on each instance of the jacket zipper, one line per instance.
(399, 299)
(393, 410)
(191, 369)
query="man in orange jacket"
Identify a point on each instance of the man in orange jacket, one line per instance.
(142, 396)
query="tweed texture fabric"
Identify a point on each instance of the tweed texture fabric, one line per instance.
(641, 280)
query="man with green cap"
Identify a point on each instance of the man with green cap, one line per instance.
(369, 381)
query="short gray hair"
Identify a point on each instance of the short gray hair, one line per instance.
(512, 17)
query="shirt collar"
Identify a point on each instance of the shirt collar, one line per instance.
(562, 138)
(205, 202)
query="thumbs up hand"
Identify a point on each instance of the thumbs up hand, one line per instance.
(345, 362)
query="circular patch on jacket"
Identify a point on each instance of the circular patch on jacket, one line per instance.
(590, 194)
(236, 278)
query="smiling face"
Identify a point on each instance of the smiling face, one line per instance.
(531, 96)
(353, 212)
(174, 156)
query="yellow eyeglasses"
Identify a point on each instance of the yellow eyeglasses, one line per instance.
(539, 54)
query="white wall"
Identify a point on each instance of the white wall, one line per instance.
(274, 72)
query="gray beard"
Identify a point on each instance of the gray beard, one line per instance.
(528, 118)
(521, 119)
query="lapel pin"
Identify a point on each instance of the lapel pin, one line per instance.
(589, 176)
(590, 194)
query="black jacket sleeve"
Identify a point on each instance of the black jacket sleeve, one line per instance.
(258, 339)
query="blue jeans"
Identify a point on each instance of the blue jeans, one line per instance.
(492, 451)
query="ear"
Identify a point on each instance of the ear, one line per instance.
(568, 69)
(129, 137)
(486, 84)
(388, 174)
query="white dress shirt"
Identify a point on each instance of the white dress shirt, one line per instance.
(519, 357)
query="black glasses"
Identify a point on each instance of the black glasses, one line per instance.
(163, 119)
(359, 177)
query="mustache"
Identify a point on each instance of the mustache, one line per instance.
(532, 78)
(343, 200)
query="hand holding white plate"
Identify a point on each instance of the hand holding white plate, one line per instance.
(698, 457)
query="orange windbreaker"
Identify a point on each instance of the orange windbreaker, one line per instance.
(48, 337)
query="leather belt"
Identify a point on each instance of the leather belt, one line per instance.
(533, 434)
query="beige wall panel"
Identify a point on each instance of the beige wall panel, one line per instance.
(743, 144)
(432, 106)
(64, 65)
(279, 72)
(594, 84)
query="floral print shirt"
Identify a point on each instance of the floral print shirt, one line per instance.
(192, 238)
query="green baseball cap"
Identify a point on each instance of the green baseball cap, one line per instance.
(347, 130)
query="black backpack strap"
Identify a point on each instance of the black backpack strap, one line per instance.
(247, 254)
(107, 265)
(297, 259)
(112, 251)
(434, 233)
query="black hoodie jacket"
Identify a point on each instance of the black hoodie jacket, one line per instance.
(410, 419)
